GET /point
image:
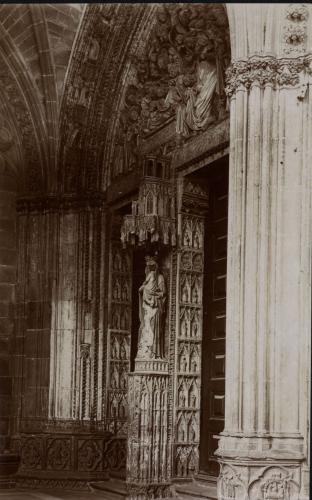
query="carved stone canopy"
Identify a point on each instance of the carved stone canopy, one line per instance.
(153, 214)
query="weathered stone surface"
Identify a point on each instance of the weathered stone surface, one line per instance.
(76, 121)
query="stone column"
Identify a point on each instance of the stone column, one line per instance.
(76, 366)
(8, 461)
(263, 449)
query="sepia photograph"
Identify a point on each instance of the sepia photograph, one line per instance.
(155, 251)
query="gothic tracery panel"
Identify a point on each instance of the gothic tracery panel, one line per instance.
(189, 345)
(119, 329)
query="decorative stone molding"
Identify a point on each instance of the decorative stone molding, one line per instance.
(266, 70)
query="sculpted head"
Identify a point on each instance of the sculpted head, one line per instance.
(151, 263)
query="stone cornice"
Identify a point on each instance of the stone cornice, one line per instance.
(266, 70)
(54, 203)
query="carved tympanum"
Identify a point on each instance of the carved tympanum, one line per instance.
(179, 74)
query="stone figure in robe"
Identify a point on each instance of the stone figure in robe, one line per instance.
(152, 298)
(193, 101)
(199, 105)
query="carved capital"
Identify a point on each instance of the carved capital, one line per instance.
(266, 70)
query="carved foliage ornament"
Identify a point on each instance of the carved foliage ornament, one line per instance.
(295, 29)
(266, 71)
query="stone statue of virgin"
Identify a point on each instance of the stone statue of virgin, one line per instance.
(152, 298)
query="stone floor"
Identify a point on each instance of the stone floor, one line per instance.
(19, 494)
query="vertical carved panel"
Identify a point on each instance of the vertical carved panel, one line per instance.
(188, 357)
(119, 330)
(148, 461)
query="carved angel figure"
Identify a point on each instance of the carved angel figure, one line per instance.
(152, 297)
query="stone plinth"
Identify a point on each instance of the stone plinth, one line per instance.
(148, 459)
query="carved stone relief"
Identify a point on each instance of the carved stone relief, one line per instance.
(115, 455)
(89, 455)
(262, 482)
(275, 483)
(83, 457)
(179, 74)
(31, 454)
(59, 454)
(230, 484)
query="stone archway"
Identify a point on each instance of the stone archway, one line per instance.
(101, 126)
(108, 155)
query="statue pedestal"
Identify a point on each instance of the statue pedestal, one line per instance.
(148, 454)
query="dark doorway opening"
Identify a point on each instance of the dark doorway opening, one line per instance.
(214, 316)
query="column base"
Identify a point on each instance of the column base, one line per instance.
(9, 464)
(260, 468)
